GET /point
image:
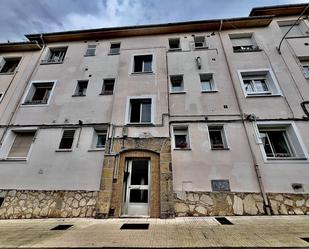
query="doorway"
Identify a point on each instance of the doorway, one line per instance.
(136, 187)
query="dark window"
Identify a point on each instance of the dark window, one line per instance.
(139, 174)
(91, 50)
(140, 111)
(115, 48)
(81, 88)
(39, 93)
(67, 139)
(177, 83)
(174, 43)
(181, 137)
(199, 42)
(276, 143)
(108, 86)
(10, 64)
(216, 135)
(101, 139)
(139, 195)
(142, 63)
(56, 55)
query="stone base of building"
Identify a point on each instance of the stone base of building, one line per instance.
(219, 203)
(284, 204)
(27, 204)
(234, 203)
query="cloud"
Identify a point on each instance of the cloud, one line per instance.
(19, 17)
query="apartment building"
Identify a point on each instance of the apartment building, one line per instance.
(186, 119)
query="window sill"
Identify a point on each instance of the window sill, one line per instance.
(293, 37)
(182, 149)
(48, 63)
(32, 105)
(180, 92)
(200, 48)
(89, 55)
(113, 54)
(211, 91)
(142, 73)
(248, 51)
(106, 94)
(139, 124)
(262, 95)
(13, 159)
(96, 149)
(11, 73)
(63, 150)
(220, 148)
(174, 50)
(77, 95)
(286, 159)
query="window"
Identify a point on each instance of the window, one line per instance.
(217, 137)
(207, 83)
(81, 88)
(108, 87)
(305, 66)
(9, 65)
(56, 55)
(91, 50)
(174, 44)
(259, 83)
(142, 63)
(280, 141)
(299, 29)
(140, 110)
(39, 93)
(1, 96)
(181, 137)
(176, 83)
(115, 48)
(21, 145)
(199, 42)
(67, 140)
(243, 43)
(305, 106)
(100, 139)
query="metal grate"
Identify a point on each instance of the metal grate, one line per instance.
(61, 227)
(223, 221)
(305, 239)
(135, 226)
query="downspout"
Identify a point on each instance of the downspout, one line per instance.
(256, 165)
(22, 92)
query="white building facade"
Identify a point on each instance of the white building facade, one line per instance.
(186, 119)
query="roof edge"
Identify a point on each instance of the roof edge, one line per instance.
(279, 10)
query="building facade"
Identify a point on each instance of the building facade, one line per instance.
(186, 119)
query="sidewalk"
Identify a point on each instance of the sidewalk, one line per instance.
(259, 231)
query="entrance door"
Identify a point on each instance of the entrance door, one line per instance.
(136, 187)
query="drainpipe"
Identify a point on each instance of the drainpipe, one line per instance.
(256, 165)
(22, 92)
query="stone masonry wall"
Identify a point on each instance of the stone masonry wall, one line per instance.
(218, 203)
(20, 204)
(289, 203)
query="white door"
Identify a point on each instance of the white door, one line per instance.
(136, 197)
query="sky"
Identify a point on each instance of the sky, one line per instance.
(19, 17)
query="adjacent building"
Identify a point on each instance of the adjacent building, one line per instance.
(185, 119)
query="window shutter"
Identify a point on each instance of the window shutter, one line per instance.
(21, 145)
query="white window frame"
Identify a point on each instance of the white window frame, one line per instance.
(128, 109)
(280, 124)
(75, 94)
(110, 47)
(181, 126)
(212, 82)
(97, 131)
(3, 60)
(174, 49)
(48, 60)
(223, 136)
(27, 92)
(204, 42)
(131, 69)
(9, 141)
(2, 95)
(268, 74)
(95, 49)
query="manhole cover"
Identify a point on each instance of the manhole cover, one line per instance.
(135, 226)
(61, 227)
(223, 221)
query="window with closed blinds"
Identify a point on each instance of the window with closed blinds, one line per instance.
(21, 145)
